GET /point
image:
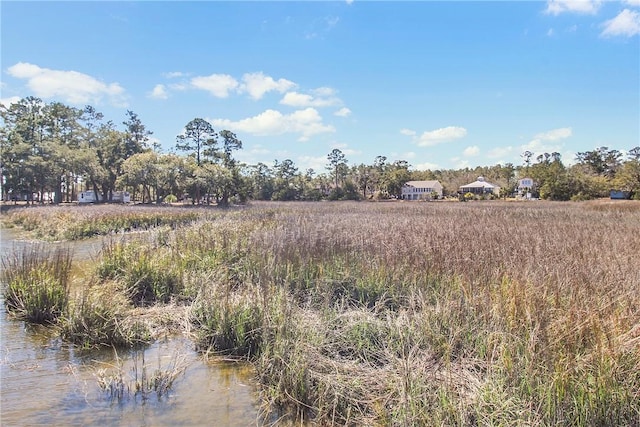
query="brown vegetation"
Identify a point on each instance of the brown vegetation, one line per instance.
(412, 313)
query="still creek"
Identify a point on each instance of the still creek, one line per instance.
(44, 381)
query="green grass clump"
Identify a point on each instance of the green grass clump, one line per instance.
(37, 284)
(230, 328)
(100, 318)
(149, 274)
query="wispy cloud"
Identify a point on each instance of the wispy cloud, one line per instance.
(70, 86)
(426, 166)
(471, 151)
(556, 7)
(174, 74)
(218, 85)
(159, 92)
(627, 23)
(322, 98)
(548, 142)
(343, 112)
(306, 123)
(438, 136)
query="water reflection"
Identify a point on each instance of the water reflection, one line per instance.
(44, 381)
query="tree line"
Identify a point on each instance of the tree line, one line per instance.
(57, 150)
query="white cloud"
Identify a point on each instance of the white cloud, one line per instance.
(627, 23)
(174, 74)
(426, 166)
(219, 85)
(554, 135)
(71, 86)
(322, 97)
(408, 132)
(159, 92)
(460, 164)
(318, 164)
(548, 142)
(349, 1)
(343, 112)
(179, 86)
(635, 3)
(471, 151)
(306, 123)
(11, 100)
(556, 7)
(438, 136)
(257, 84)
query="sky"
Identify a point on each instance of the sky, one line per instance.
(442, 85)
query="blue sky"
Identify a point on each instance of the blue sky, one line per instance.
(439, 84)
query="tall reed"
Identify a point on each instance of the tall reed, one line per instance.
(37, 283)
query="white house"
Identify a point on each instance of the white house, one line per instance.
(525, 185)
(421, 190)
(480, 186)
(88, 197)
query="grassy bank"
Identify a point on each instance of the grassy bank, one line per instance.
(55, 223)
(409, 313)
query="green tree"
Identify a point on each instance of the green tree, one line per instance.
(136, 135)
(199, 140)
(262, 181)
(395, 176)
(337, 164)
(628, 176)
(230, 143)
(284, 184)
(601, 161)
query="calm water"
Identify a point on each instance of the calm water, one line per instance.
(44, 381)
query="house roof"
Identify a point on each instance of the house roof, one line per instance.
(479, 183)
(423, 184)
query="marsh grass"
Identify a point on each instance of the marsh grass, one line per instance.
(399, 314)
(101, 317)
(148, 272)
(36, 283)
(79, 222)
(434, 314)
(143, 381)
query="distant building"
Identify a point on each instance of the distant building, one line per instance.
(525, 185)
(117, 197)
(480, 186)
(421, 190)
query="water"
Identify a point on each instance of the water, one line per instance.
(44, 381)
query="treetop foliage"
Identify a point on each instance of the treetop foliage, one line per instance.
(54, 149)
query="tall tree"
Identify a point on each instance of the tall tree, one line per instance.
(230, 143)
(601, 161)
(337, 160)
(136, 134)
(199, 139)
